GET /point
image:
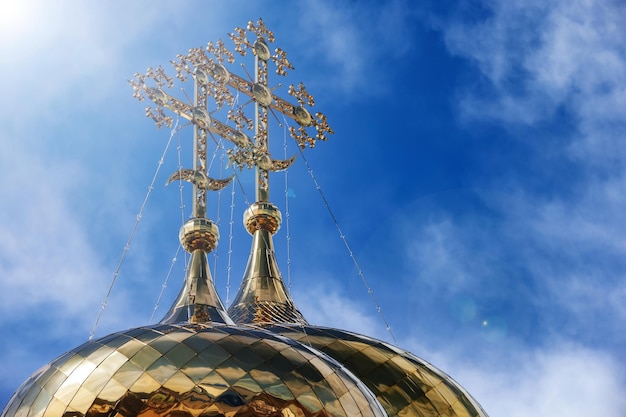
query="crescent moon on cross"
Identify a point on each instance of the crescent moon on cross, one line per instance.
(200, 179)
(265, 162)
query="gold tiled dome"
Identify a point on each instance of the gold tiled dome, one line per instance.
(404, 384)
(260, 358)
(193, 370)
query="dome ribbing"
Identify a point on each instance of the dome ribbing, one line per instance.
(260, 358)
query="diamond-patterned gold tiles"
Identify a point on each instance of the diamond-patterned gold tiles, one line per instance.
(404, 384)
(193, 370)
(197, 362)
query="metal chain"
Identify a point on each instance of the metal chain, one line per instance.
(288, 233)
(345, 242)
(132, 233)
(230, 242)
(181, 187)
(164, 285)
(218, 219)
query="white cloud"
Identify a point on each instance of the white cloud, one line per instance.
(560, 378)
(563, 380)
(53, 239)
(541, 56)
(576, 248)
(440, 258)
(68, 52)
(354, 41)
(537, 59)
(338, 40)
(570, 252)
(326, 306)
(46, 255)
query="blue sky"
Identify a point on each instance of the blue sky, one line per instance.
(477, 171)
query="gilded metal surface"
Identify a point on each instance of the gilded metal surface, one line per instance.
(193, 370)
(200, 179)
(403, 383)
(214, 82)
(262, 296)
(197, 362)
(197, 301)
(262, 215)
(199, 234)
(256, 157)
(265, 312)
(276, 103)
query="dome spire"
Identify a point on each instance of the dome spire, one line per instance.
(197, 362)
(262, 280)
(262, 297)
(198, 301)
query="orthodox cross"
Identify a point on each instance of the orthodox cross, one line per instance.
(212, 79)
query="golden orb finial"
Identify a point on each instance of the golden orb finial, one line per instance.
(199, 233)
(262, 215)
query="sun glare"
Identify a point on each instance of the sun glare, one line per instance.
(15, 18)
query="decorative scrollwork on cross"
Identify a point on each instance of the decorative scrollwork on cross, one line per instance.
(216, 87)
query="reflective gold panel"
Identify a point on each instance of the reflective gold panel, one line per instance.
(404, 384)
(193, 370)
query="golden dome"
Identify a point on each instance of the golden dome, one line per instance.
(193, 370)
(404, 384)
(260, 358)
(262, 296)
